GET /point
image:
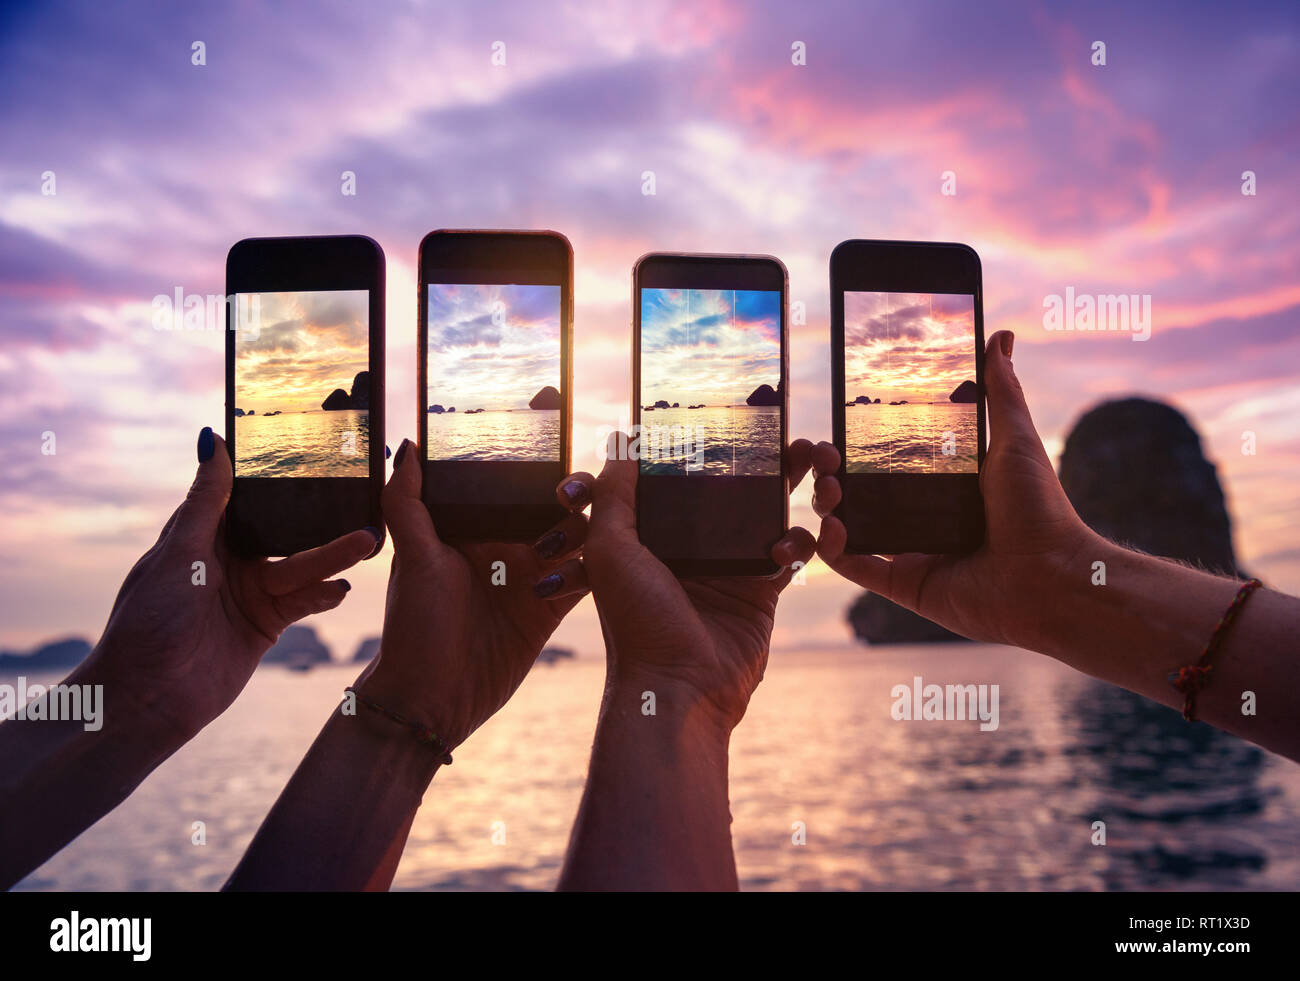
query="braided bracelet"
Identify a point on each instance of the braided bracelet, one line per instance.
(422, 733)
(1194, 677)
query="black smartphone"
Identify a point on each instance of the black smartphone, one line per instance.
(709, 411)
(907, 395)
(495, 399)
(304, 390)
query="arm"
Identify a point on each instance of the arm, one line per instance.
(174, 656)
(655, 809)
(1030, 585)
(455, 647)
(655, 812)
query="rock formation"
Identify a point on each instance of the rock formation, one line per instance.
(547, 398)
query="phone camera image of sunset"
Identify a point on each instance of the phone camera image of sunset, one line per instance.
(494, 372)
(710, 382)
(909, 383)
(302, 386)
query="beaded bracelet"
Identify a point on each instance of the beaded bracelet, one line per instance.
(422, 733)
(1194, 677)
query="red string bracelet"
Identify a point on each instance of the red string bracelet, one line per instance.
(423, 733)
(1191, 679)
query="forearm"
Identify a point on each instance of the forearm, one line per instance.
(343, 818)
(59, 777)
(1154, 616)
(655, 811)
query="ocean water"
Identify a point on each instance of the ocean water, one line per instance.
(910, 438)
(303, 444)
(736, 441)
(522, 434)
(887, 805)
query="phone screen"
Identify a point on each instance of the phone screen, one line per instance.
(911, 401)
(494, 372)
(711, 417)
(302, 384)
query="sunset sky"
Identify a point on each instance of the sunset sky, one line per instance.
(916, 347)
(1123, 178)
(708, 346)
(307, 345)
(484, 356)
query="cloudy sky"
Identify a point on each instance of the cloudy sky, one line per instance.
(492, 347)
(916, 347)
(708, 346)
(1117, 179)
(305, 346)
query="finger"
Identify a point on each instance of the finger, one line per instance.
(301, 570)
(826, 495)
(316, 598)
(570, 579)
(1009, 418)
(404, 511)
(825, 459)
(613, 496)
(797, 545)
(574, 491)
(564, 539)
(868, 571)
(798, 458)
(195, 522)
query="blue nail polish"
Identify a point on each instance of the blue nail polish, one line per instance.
(388, 451)
(379, 541)
(401, 453)
(550, 545)
(207, 444)
(548, 586)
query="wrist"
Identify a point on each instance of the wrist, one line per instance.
(687, 716)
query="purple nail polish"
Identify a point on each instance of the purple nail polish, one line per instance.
(576, 493)
(548, 585)
(550, 545)
(401, 452)
(207, 444)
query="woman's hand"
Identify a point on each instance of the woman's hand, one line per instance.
(1003, 591)
(192, 621)
(456, 643)
(705, 639)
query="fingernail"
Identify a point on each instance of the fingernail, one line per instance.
(346, 585)
(550, 544)
(549, 585)
(401, 452)
(388, 451)
(575, 492)
(207, 444)
(1008, 341)
(379, 541)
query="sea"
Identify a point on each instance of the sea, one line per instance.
(495, 434)
(734, 440)
(303, 444)
(883, 804)
(910, 438)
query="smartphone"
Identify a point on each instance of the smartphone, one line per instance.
(495, 393)
(709, 409)
(304, 390)
(907, 395)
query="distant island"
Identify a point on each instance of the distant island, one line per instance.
(966, 393)
(764, 395)
(52, 656)
(298, 649)
(366, 651)
(547, 398)
(862, 400)
(359, 398)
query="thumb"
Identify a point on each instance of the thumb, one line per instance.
(200, 513)
(613, 498)
(1009, 417)
(404, 511)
